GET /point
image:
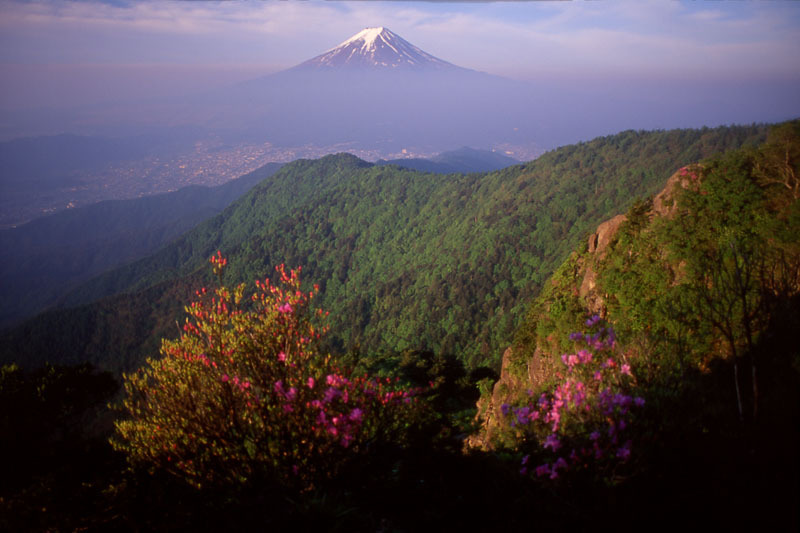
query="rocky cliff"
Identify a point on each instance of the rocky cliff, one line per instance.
(577, 278)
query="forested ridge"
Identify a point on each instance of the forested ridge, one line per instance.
(405, 260)
(670, 338)
(652, 383)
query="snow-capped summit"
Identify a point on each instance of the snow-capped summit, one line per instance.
(377, 48)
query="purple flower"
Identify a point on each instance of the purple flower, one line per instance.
(552, 442)
(624, 453)
(638, 401)
(285, 308)
(356, 414)
(330, 395)
(522, 414)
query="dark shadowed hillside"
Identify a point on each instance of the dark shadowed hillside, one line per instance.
(54, 254)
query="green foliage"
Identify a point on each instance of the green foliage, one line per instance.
(777, 163)
(244, 395)
(449, 390)
(704, 280)
(705, 299)
(555, 314)
(405, 260)
(659, 280)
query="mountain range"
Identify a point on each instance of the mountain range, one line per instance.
(53, 254)
(404, 260)
(461, 161)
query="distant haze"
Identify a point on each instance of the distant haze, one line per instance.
(608, 67)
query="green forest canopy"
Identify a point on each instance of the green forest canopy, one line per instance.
(404, 259)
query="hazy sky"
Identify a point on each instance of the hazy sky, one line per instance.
(70, 42)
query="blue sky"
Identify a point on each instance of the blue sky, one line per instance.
(84, 46)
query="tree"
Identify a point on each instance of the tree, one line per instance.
(244, 394)
(778, 160)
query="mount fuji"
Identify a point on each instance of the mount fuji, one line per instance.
(376, 48)
(376, 90)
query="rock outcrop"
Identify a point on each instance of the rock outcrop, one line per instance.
(518, 377)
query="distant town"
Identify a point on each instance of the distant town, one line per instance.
(210, 163)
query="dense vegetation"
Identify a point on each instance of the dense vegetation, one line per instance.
(665, 394)
(700, 379)
(53, 254)
(405, 260)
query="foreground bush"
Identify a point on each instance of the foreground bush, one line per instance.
(583, 421)
(243, 394)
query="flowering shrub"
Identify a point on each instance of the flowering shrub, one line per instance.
(243, 394)
(584, 419)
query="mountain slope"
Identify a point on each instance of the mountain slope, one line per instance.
(379, 48)
(701, 285)
(404, 259)
(55, 253)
